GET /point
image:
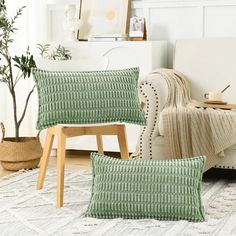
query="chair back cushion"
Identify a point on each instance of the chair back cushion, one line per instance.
(88, 97)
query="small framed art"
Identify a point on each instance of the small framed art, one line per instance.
(137, 28)
(104, 17)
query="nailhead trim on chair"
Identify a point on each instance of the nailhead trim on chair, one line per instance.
(147, 102)
(224, 167)
(144, 127)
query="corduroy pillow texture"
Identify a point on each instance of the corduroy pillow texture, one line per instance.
(157, 189)
(89, 97)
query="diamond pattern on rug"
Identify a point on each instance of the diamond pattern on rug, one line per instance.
(26, 211)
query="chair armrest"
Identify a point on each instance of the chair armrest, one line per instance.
(152, 93)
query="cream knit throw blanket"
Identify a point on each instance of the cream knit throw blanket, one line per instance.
(190, 131)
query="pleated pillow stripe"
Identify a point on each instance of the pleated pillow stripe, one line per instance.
(157, 189)
(88, 97)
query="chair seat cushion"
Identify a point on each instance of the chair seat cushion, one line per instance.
(158, 189)
(89, 97)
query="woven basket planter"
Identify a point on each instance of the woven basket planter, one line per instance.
(24, 154)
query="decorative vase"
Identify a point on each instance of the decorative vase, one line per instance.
(72, 22)
(24, 154)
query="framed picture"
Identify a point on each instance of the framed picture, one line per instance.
(104, 17)
(137, 29)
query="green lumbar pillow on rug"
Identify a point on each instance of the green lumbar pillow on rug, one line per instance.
(88, 97)
(158, 189)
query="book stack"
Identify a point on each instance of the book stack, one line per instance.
(107, 38)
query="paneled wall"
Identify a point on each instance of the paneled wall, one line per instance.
(171, 19)
(176, 19)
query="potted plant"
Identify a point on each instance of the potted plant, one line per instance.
(53, 58)
(16, 152)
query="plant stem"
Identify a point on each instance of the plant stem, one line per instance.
(26, 105)
(17, 79)
(13, 94)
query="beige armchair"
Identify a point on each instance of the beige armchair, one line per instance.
(209, 64)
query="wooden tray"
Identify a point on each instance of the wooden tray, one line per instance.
(215, 102)
(210, 105)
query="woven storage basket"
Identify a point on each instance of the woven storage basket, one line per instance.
(24, 154)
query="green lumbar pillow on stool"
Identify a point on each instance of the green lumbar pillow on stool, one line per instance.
(158, 189)
(88, 97)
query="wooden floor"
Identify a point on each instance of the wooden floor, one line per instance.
(74, 159)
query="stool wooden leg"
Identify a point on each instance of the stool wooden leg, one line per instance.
(45, 158)
(60, 166)
(122, 139)
(99, 143)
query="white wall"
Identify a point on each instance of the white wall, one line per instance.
(30, 31)
(176, 19)
(173, 19)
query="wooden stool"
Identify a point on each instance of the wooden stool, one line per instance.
(64, 132)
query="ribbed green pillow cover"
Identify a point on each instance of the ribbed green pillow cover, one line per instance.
(88, 97)
(158, 189)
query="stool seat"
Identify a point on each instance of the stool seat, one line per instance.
(90, 125)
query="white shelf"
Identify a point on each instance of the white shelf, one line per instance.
(63, 2)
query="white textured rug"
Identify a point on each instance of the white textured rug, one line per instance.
(26, 211)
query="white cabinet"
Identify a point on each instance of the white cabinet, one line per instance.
(147, 55)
